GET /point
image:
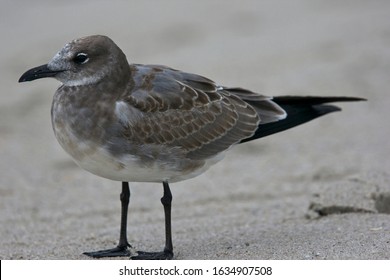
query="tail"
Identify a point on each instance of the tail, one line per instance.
(299, 109)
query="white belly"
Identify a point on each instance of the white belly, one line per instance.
(130, 168)
(167, 166)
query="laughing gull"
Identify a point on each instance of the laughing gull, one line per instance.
(151, 123)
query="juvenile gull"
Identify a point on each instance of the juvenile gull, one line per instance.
(151, 123)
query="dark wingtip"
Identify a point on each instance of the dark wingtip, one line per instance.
(300, 109)
(314, 100)
(347, 99)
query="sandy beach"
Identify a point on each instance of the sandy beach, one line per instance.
(318, 191)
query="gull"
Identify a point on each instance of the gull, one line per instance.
(151, 123)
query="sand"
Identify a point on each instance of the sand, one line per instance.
(318, 191)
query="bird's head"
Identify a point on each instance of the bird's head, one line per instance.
(83, 61)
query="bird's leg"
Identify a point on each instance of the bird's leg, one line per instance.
(121, 249)
(167, 253)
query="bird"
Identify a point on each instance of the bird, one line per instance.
(151, 123)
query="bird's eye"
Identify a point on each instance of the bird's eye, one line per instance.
(81, 58)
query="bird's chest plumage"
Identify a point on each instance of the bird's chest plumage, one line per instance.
(79, 123)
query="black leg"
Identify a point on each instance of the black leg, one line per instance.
(167, 253)
(120, 250)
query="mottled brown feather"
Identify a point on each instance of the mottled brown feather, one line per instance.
(191, 112)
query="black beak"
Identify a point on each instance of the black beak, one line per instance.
(37, 73)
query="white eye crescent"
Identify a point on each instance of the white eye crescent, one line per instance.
(81, 58)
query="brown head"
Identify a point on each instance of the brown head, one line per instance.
(83, 61)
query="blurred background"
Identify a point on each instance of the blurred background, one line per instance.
(254, 204)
